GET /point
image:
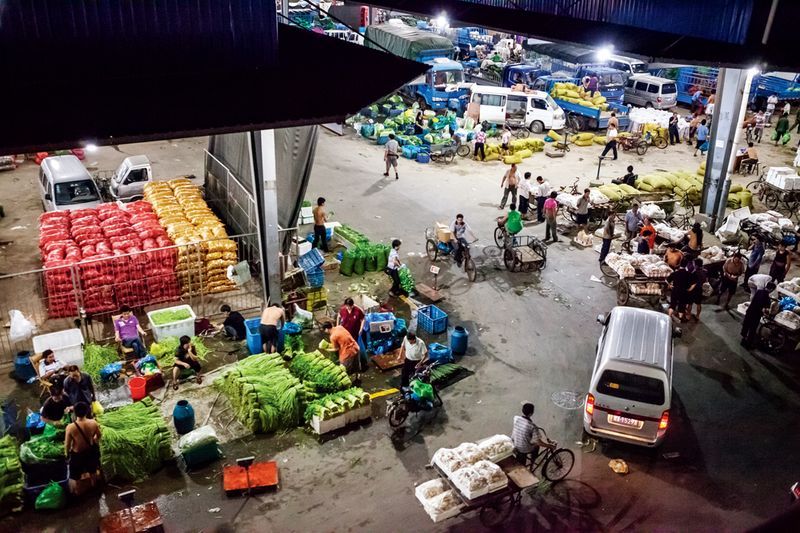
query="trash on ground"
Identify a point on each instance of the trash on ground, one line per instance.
(619, 466)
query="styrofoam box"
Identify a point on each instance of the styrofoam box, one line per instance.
(67, 345)
(307, 212)
(173, 329)
(301, 248)
(321, 427)
(455, 511)
(499, 485)
(332, 226)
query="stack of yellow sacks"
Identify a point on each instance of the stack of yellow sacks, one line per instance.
(616, 192)
(520, 149)
(576, 94)
(582, 139)
(655, 130)
(204, 252)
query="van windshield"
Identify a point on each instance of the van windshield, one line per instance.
(669, 88)
(631, 387)
(639, 68)
(76, 192)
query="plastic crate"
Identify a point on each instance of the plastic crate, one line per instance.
(44, 473)
(173, 329)
(31, 492)
(315, 277)
(310, 260)
(67, 345)
(432, 320)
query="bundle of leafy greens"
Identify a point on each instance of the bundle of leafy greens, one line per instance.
(11, 481)
(164, 350)
(135, 441)
(95, 357)
(264, 395)
(320, 372)
(337, 403)
(168, 316)
(43, 449)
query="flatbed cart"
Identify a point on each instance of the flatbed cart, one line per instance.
(774, 334)
(524, 253)
(639, 286)
(597, 214)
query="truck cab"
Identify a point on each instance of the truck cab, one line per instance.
(521, 73)
(611, 82)
(127, 182)
(442, 87)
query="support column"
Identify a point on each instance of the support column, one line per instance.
(733, 88)
(262, 145)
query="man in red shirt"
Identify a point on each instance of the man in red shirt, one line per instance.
(649, 233)
(550, 211)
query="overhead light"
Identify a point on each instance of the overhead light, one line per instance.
(604, 52)
(91, 147)
(441, 21)
(754, 71)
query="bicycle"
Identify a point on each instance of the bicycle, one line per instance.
(656, 140)
(556, 463)
(685, 218)
(434, 247)
(573, 189)
(757, 187)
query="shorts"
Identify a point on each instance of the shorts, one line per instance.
(85, 462)
(351, 365)
(696, 296)
(727, 285)
(582, 219)
(699, 144)
(677, 302)
(392, 160)
(269, 336)
(505, 146)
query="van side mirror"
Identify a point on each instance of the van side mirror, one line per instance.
(47, 196)
(602, 319)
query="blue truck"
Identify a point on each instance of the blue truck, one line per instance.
(689, 79)
(510, 75)
(580, 117)
(442, 87)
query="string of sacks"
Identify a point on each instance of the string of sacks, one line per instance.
(188, 220)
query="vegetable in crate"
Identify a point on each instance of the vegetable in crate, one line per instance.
(170, 315)
(336, 404)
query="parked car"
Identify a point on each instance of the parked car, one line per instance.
(535, 109)
(651, 91)
(64, 183)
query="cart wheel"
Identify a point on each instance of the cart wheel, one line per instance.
(509, 260)
(523, 133)
(398, 412)
(772, 338)
(469, 268)
(449, 157)
(771, 200)
(558, 465)
(495, 513)
(754, 187)
(463, 150)
(641, 148)
(432, 249)
(541, 249)
(608, 271)
(661, 142)
(623, 292)
(498, 236)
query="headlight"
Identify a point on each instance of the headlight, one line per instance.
(437, 99)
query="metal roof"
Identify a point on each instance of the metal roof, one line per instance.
(639, 336)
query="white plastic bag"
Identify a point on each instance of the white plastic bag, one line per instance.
(196, 438)
(21, 328)
(302, 317)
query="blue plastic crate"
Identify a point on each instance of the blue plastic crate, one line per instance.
(439, 353)
(253, 335)
(310, 260)
(316, 277)
(432, 319)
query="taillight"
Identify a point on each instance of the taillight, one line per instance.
(664, 422)
(658, 99)
(589, 404)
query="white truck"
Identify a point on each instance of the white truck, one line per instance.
(127, 183)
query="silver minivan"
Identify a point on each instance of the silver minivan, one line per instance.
(64, 183)
(631, 387)
(651, 91)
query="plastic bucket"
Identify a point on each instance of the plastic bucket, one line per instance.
(138, 387)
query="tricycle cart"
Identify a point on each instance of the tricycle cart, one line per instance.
(774, 197)
(524, 253)
(632, 142)
(436, 248)
(444, 153)
(640, 286)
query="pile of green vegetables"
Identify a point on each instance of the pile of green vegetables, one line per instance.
(164, 350)
(364, 257)
(293, 344)
(135, 441)
(406, 280)
(168, 316)
(10, 476)
(335, 404)
(95, 357)
(45, 448)
(265, 396)
(351, 235)
(320, 373)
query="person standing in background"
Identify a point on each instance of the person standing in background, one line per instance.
(787, 108)
(550, 211)
(611, 142)
(697, 101)
(272, 317)
(392, 270)
(582, 210)
(351, 318)
(524, 192)
(674, 137)
(391, 155)
(608, 235)
(542, 192)
(415, 354)
(613, 121)
(772, 101)
(509, 185)
(320, 233)
(754, 260)
(758, 129)
(780, 264)
(702, 137)
(781, 128)
(752, 317)
(480, 143)
(505, 139)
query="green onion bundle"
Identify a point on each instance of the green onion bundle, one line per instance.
(320, 372)
(135, 441)
(164, 350)
(10, 477)
(337, 403)
(95, 357)
(169, 315)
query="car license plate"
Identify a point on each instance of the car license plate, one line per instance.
(623, 421)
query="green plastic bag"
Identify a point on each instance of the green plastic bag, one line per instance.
(774, 136)
(422, 389)
(382, 258)
(359, 266)
(346, 266)
(371, 264)
(51, 498)
(786, 138)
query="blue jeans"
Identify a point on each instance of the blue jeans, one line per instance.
(138, 346)
(604, 249)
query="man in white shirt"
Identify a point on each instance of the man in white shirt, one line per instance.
(542, 192)
(505, 139)
(524, 193)
(772, 101)
(757, 282)
(611, 142)
(49, 365)
(415, 355)
(787, 108)
(391, 155)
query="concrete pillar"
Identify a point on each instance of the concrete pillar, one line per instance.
(262, 144)
(733, 88)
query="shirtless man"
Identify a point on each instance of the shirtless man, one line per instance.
(81, 441)
(270, 318)
(320, 235)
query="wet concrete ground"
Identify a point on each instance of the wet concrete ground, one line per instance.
(531, 335)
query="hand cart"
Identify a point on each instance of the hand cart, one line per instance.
(632, 142)
(639, 286)
(524, 253)
(496, 507)
(775, 197)
(444, 153)
(774, 334)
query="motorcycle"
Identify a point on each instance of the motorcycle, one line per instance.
(420, 395)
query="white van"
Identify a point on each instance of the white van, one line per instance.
(536, 109)
(631, 388)
(651, 91)
(65, 184)
(628, 65)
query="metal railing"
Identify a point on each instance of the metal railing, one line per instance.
(130, 279)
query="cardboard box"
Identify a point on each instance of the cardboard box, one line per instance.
(443, 232)
(300, 248)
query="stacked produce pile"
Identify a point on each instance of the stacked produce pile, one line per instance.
(576, 94)
(164, 350)
(615, 192)
(46, 448)
(336, 404)
(11, 481)
(620, 265)
(363, 256)
(438, 500)
(658, 269)
(791, 286)
(668, 232)
(596, 197)
(738, 197)
(520, 149)
(135, 441)
(319, 374)
(265, 396)
(205, 252)
(712, 254)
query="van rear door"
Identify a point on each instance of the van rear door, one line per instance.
(630, 404)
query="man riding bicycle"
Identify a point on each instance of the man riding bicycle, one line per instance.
(459, 229)
(528, 437)
(512, 222)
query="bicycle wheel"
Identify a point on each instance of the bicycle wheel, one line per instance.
(541, 249)
(495, 513)
(661, 142)
(523, 133)
(509, 260)
(432, 249)
(754, 187)
(469, 268)
(771, 199)
(398, 412)
(498, 236)
(641, 148)
(558, 465)
(608, 271)
(463, 150)
(623, 292)
(449, 157)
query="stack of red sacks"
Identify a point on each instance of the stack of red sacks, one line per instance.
(114, 267)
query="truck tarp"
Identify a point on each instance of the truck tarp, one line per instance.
(404, 41)
(566, 52)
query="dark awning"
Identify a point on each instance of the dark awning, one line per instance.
(566, 52)
(318, 79)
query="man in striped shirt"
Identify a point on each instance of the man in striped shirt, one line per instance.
(527, 436)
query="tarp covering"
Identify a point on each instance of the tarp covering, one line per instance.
(404, 41)
(565, 52)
